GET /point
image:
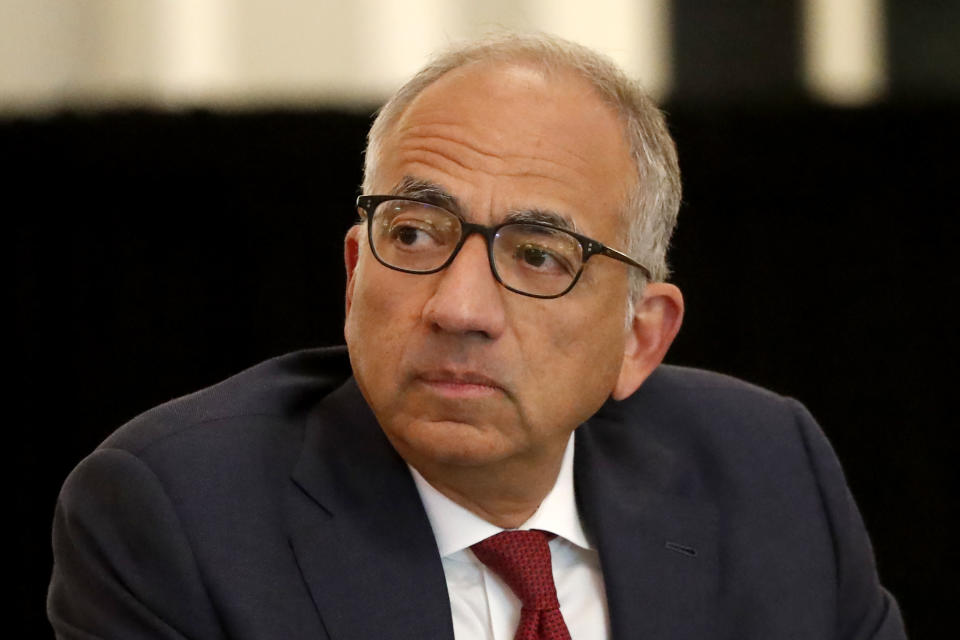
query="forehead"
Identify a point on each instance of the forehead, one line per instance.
(513, 135)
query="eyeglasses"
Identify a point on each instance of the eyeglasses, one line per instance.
(530, 258)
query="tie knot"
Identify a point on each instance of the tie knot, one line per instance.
(522, 560)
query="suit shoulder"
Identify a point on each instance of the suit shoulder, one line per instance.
(716, 394)
(698, 410)
(281, 387)
(678, 379)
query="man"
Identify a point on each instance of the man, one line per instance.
(505, 289)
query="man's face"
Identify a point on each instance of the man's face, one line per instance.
(457, 369)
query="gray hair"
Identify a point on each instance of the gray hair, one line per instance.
(650, 212)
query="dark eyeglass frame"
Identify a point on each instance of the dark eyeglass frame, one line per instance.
(590, 247)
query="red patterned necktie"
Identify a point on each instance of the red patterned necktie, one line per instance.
(522, 560)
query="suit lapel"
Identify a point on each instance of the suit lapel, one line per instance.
(657, 544)
(359, 531)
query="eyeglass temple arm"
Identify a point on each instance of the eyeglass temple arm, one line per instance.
(622, 257)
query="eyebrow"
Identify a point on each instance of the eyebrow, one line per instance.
(432, 193)
(429, 192)
(543, 216)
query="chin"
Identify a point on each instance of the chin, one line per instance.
(425, 442)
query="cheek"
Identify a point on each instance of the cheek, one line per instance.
(591, 356)
(590, 350)
(377, 290)
(376, 323)
(589, 330)
(572, 361)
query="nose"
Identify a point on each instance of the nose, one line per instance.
(467, 299)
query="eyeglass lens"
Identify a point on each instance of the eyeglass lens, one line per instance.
(419, 237)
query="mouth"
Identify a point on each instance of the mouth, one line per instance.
(461, 384)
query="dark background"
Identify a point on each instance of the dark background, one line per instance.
(158, 252)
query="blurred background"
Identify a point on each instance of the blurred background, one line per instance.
(179, 175)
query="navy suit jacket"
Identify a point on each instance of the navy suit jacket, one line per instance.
(272, 506)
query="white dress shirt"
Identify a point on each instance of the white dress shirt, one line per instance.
(483, 606)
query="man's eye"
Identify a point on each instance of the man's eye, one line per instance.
(406, 235)
(541, 259)
(534, 256)
(415, 234)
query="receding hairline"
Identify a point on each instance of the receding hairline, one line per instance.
(552, 64)
(549, 74)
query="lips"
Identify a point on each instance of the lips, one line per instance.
(460, 383)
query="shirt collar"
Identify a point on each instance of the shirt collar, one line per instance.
(457, 528)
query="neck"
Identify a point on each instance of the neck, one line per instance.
(506, 494)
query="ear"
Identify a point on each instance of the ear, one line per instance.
(656, 321)
(351, 255)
